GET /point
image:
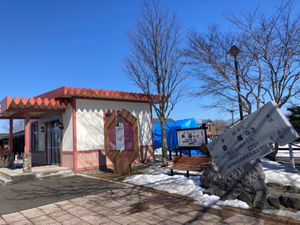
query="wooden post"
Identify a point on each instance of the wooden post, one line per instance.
(26, 154)
(27, 134)
(292, 160)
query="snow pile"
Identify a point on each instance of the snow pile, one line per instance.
(157, 178)
(280, 173)
(294, 215)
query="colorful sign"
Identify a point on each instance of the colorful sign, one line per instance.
(190, 137)
(251, 139)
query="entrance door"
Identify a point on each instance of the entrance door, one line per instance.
(53, 143)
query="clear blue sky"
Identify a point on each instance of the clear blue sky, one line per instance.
(45, 44)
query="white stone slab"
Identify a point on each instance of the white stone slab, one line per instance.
(250, 139)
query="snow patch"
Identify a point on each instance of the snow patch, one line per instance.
(157, 178)
(280, 173)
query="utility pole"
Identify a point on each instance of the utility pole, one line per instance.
(234, 51)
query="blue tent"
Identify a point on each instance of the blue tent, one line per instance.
(171, 128)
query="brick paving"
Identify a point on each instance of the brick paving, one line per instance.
(127, 204)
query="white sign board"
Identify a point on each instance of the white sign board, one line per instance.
(120, 139)
(250, 139)
(190, 137)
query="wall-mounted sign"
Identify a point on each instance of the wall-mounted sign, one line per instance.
(251, 138)
(121, 137)
(193, 137)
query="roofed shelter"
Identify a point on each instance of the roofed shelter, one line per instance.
(65, 126)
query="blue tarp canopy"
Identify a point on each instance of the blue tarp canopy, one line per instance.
(171, 128)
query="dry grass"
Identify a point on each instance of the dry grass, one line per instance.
(110, 175)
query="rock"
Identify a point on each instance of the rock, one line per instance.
(246, 183)
(260, 200)
(274, 202)
(291, 202)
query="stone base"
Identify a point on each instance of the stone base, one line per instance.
(246, 184)
(27, 162)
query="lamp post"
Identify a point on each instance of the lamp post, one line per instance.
(232, 119)
(234, 51)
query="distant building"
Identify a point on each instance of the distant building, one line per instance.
(211, 128)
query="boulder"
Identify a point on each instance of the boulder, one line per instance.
(246, 183)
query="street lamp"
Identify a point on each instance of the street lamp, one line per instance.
(234, 51)
(232, 119)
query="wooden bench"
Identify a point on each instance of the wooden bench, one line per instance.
(187, 163)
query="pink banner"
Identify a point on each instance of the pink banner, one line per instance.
(128, 132)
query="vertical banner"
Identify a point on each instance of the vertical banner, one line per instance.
(120, 139)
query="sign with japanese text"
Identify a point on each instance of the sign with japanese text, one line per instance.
(194, 137)
(251, 138)
(121, 137)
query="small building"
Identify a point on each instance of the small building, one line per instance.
(18, 141)
(65, 126)
(211, 128)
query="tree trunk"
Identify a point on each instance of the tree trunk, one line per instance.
(164, 144)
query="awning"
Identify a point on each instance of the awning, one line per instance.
(35, 107)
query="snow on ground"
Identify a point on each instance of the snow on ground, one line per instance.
(157, 178)
(280, 173)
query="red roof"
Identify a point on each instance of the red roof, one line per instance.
(68, 92)
(58, 99)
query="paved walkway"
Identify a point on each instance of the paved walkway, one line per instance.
(78, 200)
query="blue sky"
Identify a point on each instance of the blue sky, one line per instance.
(51, 43)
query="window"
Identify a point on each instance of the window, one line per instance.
(34, 136)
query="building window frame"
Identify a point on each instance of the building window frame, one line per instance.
(35, 136)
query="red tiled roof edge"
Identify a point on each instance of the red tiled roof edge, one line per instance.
(38, 103)
(96, 93)
(4, 104)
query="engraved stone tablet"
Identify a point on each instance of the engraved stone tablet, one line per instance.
(251, 138)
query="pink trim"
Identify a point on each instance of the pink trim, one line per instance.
(61, 144)
(27, 134)
(74, 135)
(88, 168)
(88, 151)
(67, 152)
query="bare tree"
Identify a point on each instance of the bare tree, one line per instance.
(273, 42)
(220, 125)
(155, 63)
(268, 62)
(213, 65)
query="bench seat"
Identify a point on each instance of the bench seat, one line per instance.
(186, 163)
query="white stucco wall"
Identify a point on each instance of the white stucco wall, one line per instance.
(90, 122)
(67, 120)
